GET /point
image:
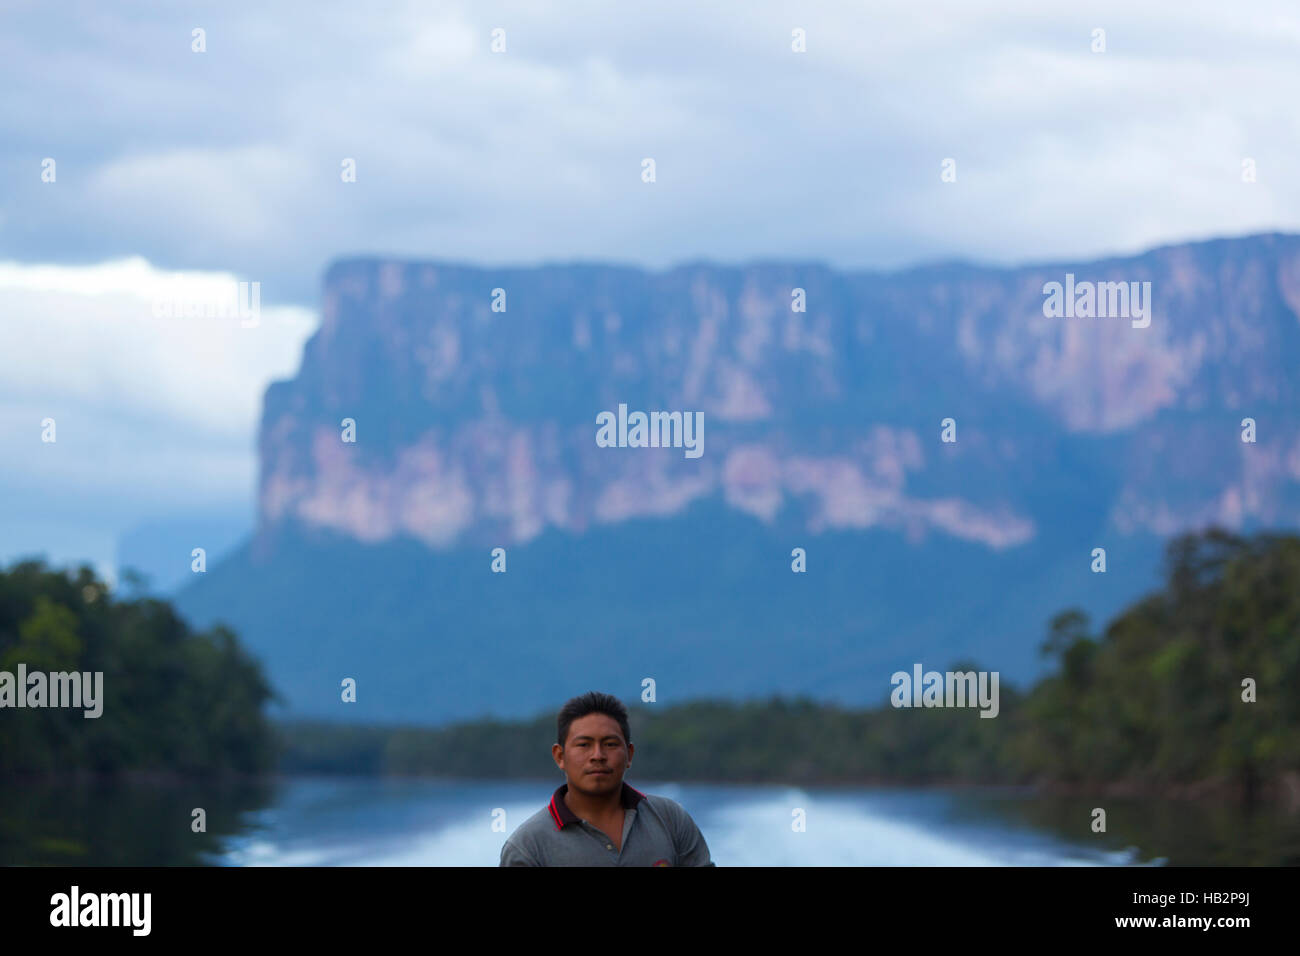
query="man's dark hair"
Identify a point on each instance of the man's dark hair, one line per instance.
(592, 702)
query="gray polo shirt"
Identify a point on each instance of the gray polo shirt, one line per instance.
(656, 832)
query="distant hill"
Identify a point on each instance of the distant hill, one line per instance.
(477, 429)
(160, 549)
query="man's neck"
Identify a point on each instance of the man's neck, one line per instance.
(593, 808)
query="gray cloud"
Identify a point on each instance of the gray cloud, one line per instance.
(230, 159)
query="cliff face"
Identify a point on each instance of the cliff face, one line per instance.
(822, 430)
(477, 426)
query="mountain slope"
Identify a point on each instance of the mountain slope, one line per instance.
(477, 429)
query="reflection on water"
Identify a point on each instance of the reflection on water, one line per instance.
(1181, 833)
(121, 825)
(400, 822)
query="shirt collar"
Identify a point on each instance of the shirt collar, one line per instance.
(563, 816)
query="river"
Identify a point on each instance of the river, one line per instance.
(317, 821)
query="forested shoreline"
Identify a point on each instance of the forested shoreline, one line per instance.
(177, 704)
(1192, 690)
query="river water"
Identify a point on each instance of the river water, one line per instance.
(306, 821)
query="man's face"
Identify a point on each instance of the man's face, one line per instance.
(595, 755)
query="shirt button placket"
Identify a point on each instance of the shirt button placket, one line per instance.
(608, 846)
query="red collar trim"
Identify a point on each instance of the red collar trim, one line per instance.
(563, 816)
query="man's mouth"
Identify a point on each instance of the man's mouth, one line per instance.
(600, 771)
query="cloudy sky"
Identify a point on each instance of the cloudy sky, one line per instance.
(175, 169)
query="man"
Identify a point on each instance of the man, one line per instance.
(596, 819)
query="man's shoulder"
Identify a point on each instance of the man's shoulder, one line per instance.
(539, 823)
(689, 845)
(525, 846)
(665, 806)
